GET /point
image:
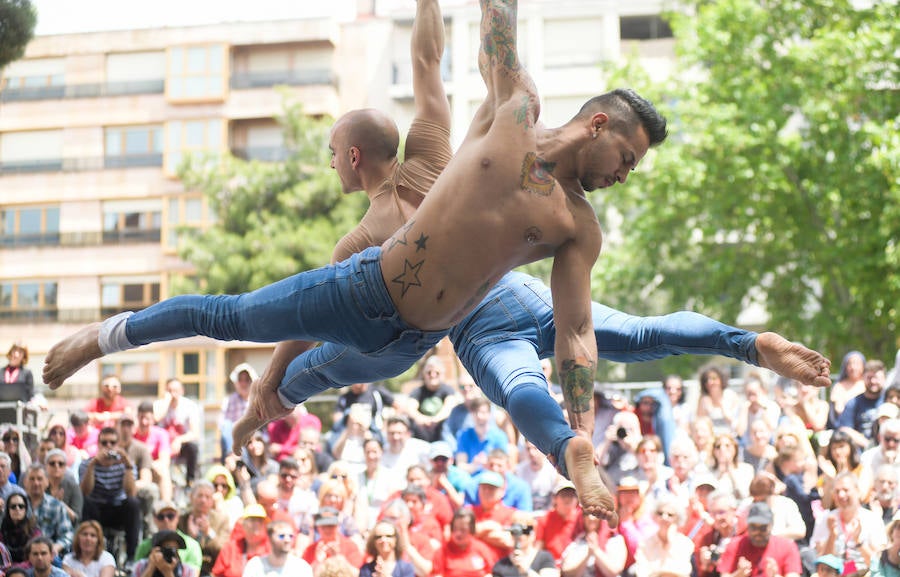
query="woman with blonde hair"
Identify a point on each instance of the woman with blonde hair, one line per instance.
(89, 557)
(333, 493)
(385, 548)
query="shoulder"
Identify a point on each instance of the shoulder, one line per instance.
(106, 559)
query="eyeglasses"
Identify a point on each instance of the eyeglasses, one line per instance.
(284, 536)
(288, 476)
(16, 506)
(344, 477)
(166, 516)
(220, 485)
(891, 439)
(108, 443)
(384, 536)
(56, 464)
(9, 439)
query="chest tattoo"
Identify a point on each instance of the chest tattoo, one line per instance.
(537, 177)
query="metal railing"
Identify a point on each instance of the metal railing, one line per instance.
(262, 153)
(95, 90)
(81, 164)
(243, 80)
(83, 238)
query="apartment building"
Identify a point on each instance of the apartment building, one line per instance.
(93, 126)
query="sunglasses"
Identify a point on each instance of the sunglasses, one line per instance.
(166, 516)
(284, 536)
(384, 536)
(55, 464)
(9, 439)
(343, 477)
(666, 514)
(16, 506)
(108, 443)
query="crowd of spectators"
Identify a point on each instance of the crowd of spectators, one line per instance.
(762, 480)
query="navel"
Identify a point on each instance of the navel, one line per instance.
(485, 162)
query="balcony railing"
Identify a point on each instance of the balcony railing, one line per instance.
(88, 238)
(58, 315)
(97, 90)
(262, 153)
(81, 164)
(45, 315)
(244, 80)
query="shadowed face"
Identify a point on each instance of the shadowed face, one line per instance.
(611, 156)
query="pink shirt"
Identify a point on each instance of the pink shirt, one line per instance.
(156, 439)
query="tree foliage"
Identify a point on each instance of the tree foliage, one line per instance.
(17, 21)
(274, 219)
(780, 182)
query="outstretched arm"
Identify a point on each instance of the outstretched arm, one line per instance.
(427, 48)
(576, 345)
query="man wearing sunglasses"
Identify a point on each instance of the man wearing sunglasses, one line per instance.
(282, 560)
(165, 517)
(110, 492)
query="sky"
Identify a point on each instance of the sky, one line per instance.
(68, 16)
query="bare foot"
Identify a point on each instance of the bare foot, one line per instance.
(595, 498)
(70, 354)
(264, 407)
(792, 360)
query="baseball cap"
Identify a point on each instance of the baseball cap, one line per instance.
(562, 485)
(126, 417)
(440, 449)
(163, 536)
(832, 561)
(327, 516)
(164, 506)
(254, 510)
(628, 483)
(706, 480)
(887, 410)
(491, 478)
(759, 514)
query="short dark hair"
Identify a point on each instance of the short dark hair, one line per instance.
(145, 407)
(109, 431)
(37, 541)
(630, 110)
(398, 419)
(469, 517)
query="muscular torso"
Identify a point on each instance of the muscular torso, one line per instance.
(494, 208)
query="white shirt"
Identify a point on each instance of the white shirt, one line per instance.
(871, 533)
(93, 568)
(293, 566)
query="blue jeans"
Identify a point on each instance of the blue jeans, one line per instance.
(346, 304)
(502, 341)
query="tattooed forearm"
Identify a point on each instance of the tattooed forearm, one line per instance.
(525, 113)
(498, 30)
(537, 175)
(577, 382)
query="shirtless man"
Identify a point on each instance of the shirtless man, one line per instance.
(563, 144)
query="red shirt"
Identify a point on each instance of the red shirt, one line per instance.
(235, 554)
(502, 515)
(557, 532)
(428, 526)
(437, 505)
(784, 551)
(346, 547)
(99, 405)
(476, 560)
(288, 437)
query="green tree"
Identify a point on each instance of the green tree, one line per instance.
(274, 219)
(17, 21)
(780, 183)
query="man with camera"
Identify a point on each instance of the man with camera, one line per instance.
(164, 560)
(710, 540)
(165, 517)
(110, 493)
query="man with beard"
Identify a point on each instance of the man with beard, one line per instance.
(759, 553)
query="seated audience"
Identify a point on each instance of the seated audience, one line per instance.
(474, 444)
(525, 559)
(39, 551)
(667, 552)
(165, 518)
(330, 542)
(18, 527)
(49, 512)
(463, 555)
(596, 552)
(539, 475)
(492, 516)
(281, 559)
(164, 558)
(758, 551)
(204, 524)
(179, 416)
(61, 484)
(244, 544)
(558, 528)
(386, 551)
(89, 557)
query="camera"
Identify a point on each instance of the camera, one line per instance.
(621, 433)
(169, 554)
(113, 455)
(715, 553)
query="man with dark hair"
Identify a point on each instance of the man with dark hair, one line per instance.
(39, 552)
(164, 559)
(157, 441)
(861, 411)
(107, 482)
(543, 172)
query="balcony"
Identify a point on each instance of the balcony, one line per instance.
(26, 316)
(245, 80)
(97, 90)
(76, 239)
(81, 164)
(29, 240)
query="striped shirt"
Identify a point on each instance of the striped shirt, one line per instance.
(109, 482)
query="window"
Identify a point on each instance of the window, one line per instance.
(187, 136)
(135, 72)
(37, 79)
(127, 294)
(28, 300)
(197, 73)
(31, 151)
(189, 210)
(29, 226)
(647, 27)
(573, 42)
(258, 140)
(133, 146)
(132, 221)
(197, 370)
